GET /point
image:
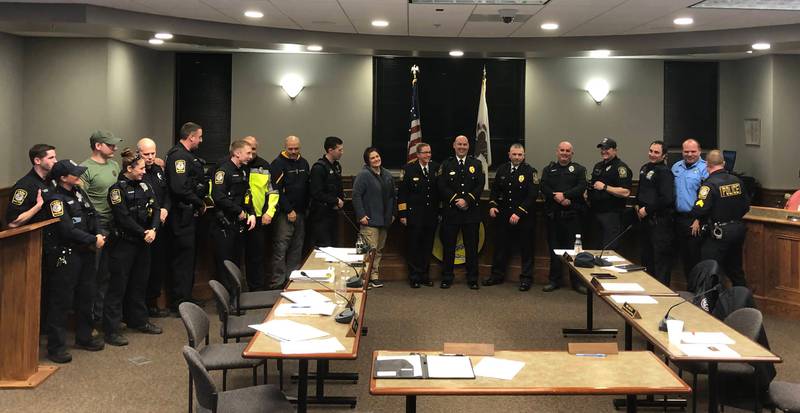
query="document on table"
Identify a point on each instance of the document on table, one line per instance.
(306, 297)
(613, 268)
(622, 287)
(327, 345)
(331, 254)
(633, 299)
(561, 252)
(697, 337)
(325, 275)
(708, 350)
(498, 368)
(288, 330)
(450, 367)
(409, 366)
(614, 258)
(290, 309)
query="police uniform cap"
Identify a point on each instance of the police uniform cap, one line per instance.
(102, 136)
(66, 167)
(607, 143)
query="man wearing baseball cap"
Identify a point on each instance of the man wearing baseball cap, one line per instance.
(69, 256)
(608, 193)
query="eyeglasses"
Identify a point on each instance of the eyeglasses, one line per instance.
(421, 152)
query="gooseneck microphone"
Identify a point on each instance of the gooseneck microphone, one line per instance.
(362, 246)
(662, 326)
(598, 259)
(352, 282)
(348, 313)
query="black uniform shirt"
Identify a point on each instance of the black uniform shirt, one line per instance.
(515, 193)
(465, 182)
(23, 197)
(418, 197)
(134, 207)
(229, 189)
(569, 179)
(186, 177)
(656, 188)
(78, 220)
(721, 198)
(612, 173)
(157, 179)
(326, 184)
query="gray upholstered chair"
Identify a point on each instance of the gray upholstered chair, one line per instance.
(264, 398)
(247, 300)
(785, 396)
(233, 326)
(215, 356)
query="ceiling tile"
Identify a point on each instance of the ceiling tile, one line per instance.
(423, 18)
(628, 16)
(317, 15)
(363, 12)
(569, 14)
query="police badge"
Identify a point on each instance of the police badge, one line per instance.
(571, 168)
(472, 169)
(650, 174)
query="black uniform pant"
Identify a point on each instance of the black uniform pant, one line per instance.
(130, 269)
(159, 266)
(183, 250)
(656, 244)
(449, 234)
(70, 284)
(287, 246)
(324, 228)
(228, 245)
(608, 225)
(689, 245)
(727, 251)
(506, 237)
(419, 246)
(103, 274)
(561, 230)
(254, 255)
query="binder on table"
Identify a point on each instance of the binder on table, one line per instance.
(421, 366)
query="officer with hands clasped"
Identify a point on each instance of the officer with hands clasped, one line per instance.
(654, 208)
(608, 192)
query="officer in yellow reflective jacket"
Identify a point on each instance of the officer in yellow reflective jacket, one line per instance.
(264, 201)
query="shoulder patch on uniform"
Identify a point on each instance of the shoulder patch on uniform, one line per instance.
(144, 186)
(115, 196)
(56, 208)
(472, 169)
(623, 172)
(703, 192)
(219, 177)
(180, 166)
(19, 196)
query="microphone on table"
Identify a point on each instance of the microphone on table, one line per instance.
(362, 246)
(663, 324)
(348, 313)
(598, 259)
(353, 282)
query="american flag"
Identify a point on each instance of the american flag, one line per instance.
(415, 132)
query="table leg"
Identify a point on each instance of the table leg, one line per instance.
(411, 404)
(589, 330)
(712, 387)
(630, 405)
(302, 386)
(323, 367)
(628, 337)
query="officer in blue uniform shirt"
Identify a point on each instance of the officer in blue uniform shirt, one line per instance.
(688, 173)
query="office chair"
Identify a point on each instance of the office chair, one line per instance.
(233, 326)
(247, 300)
(785, 396)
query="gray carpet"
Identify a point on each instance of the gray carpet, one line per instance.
(398, 318)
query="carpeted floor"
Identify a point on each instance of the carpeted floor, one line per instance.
(118, 379)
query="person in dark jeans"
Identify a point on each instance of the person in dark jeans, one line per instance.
(327, 194)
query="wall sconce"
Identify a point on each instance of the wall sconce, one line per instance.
(292, 85)
(598, 89)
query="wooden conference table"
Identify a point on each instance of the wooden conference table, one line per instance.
(628, 373)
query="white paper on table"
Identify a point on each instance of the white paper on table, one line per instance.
(288, 330)
(327, 345)
(414, 359)
(613, 268)
(614, 258)
(708, 350)
(339, 254)
(325, 275)
(498, 368)
(621, 287)
(561, 252)
(697, 337)
(291, 309)
(633, 299)
(450, 367)
(306, 297)
(349, 258)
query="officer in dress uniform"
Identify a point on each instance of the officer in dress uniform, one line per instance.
(28, 194)
(136, 220)
(69, 258)
(187, 188)
(460, 182)
(563, 185)
(513, 199)
(608, 193)
(654, 208)
(418, 208)
(721, 203)
(327, 194)
(233, 210)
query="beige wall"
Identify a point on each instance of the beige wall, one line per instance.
(11, 75)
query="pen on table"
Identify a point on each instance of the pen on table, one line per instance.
(451, 354)
(600, 355)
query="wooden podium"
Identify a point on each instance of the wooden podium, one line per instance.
(20, 283)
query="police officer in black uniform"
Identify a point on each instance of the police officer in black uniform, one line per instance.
(654, 208)
(461, 182)
(608, 192)
(29, 193)
(187, 188)
(563, 185)
(327, 195)
(233, 212)
(69, 258)
(513, 199)
(722, 201)
(136, 220)
(418, 208)
(155, 176)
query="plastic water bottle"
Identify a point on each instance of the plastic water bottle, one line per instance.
(578, 244)
(340, 286)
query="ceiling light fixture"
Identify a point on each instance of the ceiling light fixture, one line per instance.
(749, 52)
(163, 36)
(156, 42)
(549, 26)
(683, 21)
(380, 23)
(292, 84)
(598, 89)
(456, 53)
(761, 46)
(314, 48)
(600, 53)
(253, 14)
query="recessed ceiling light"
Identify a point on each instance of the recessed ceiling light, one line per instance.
(456, 53)
(163, 36)
(761, 46)
(292, 48)
(683, 21)
(600, 53)
(156, 41)
(549, 26)
(314, 48)
(380, 23)
(749, 52)
(253, 14)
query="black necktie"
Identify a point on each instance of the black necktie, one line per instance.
(425, 171)
(513, 170)
(461, 163)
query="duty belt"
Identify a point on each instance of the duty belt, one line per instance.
(722, 224)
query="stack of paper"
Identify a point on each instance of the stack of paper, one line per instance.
(697, 337)
(450, 367)
(287, 309)
(288, 330)
(332, 254)
(305, 297)
(708, 350)
(327, 345)
(622, 287)
(498, 368)
(326, 275)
